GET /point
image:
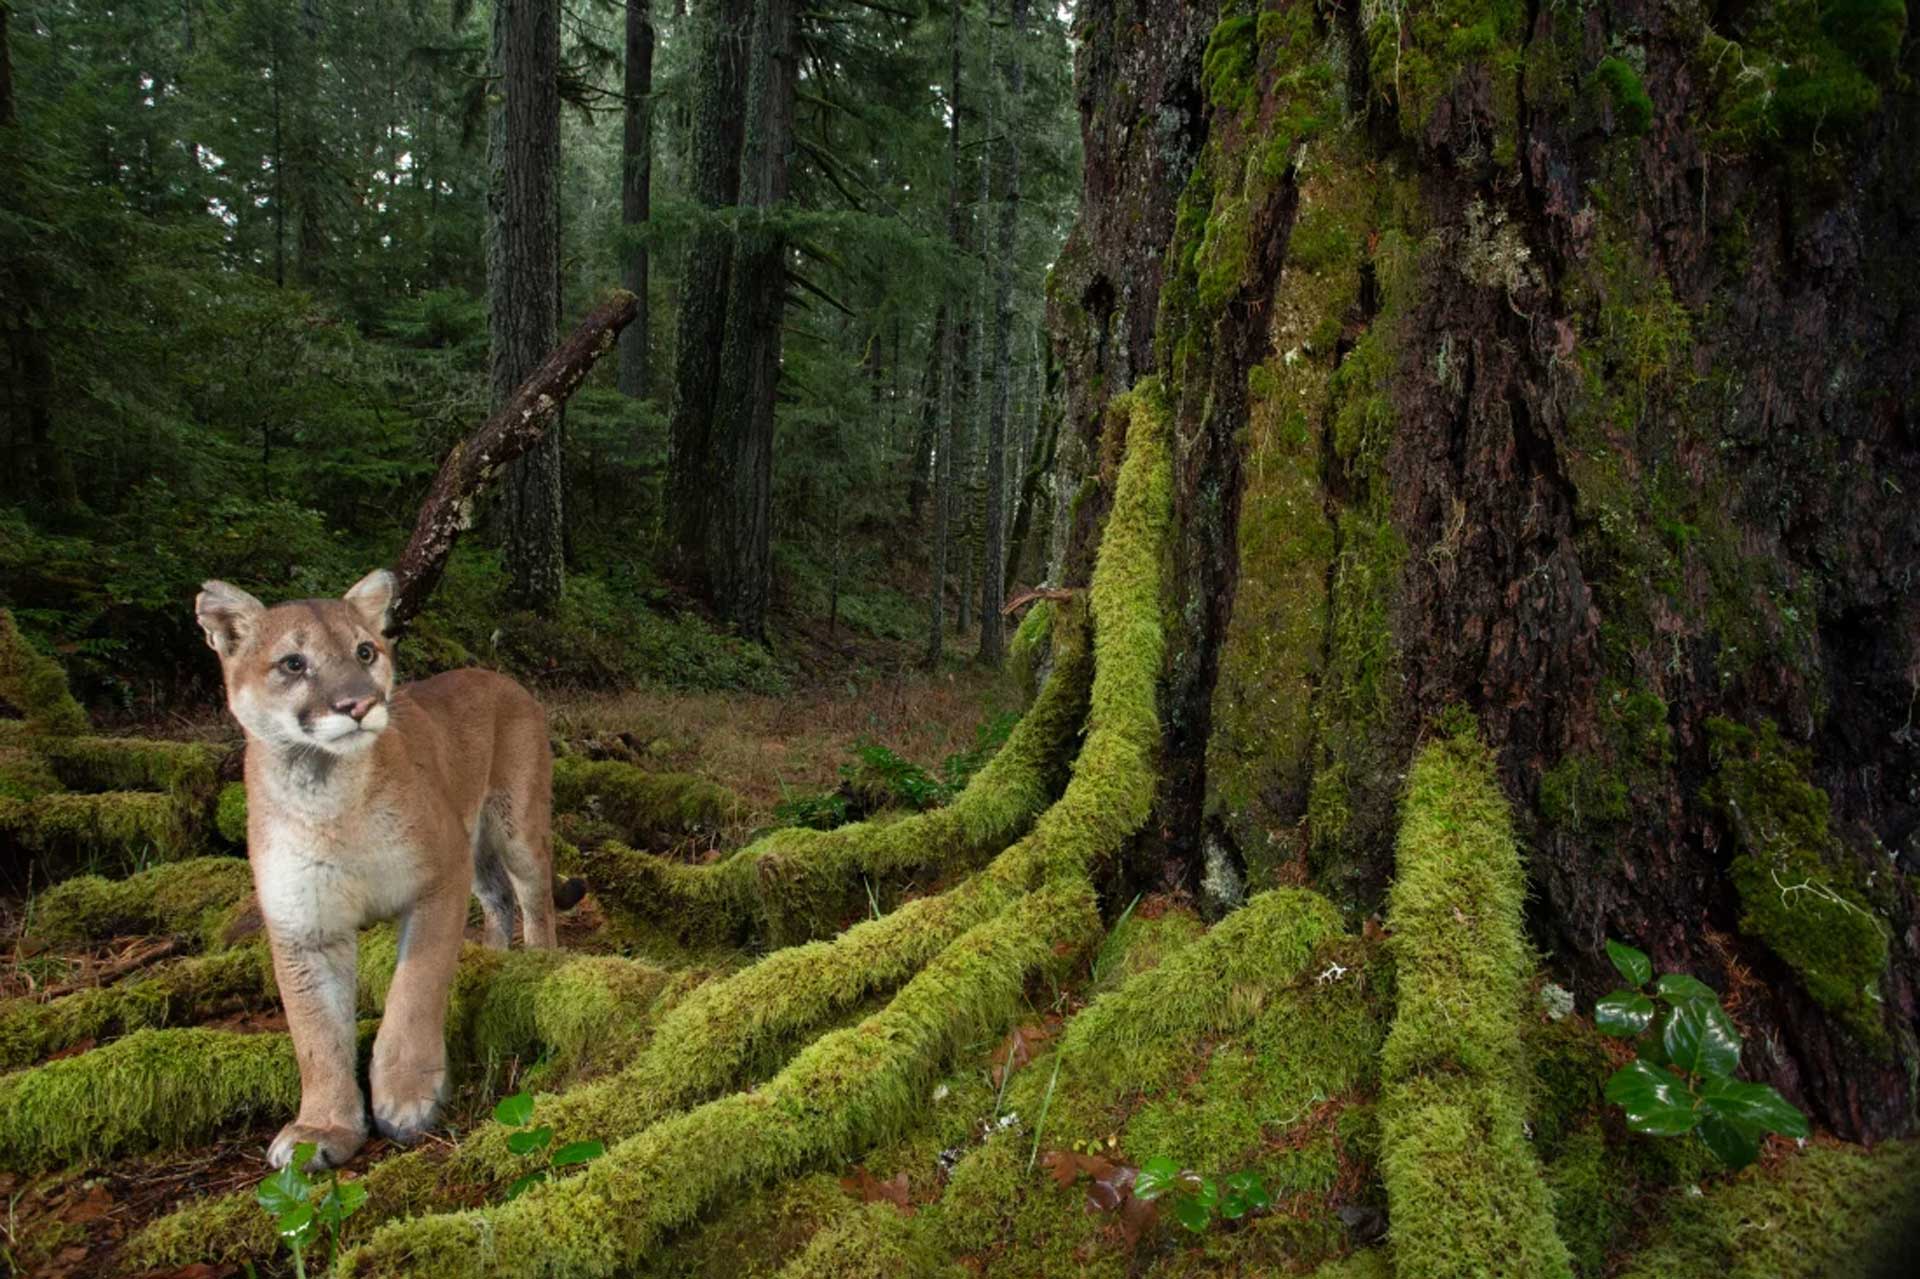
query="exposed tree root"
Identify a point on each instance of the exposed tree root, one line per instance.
(35, 686)
(157, 1089)
(841, 1093)
(199, 898)
(792, 884)
(1463, 1184)
(654, 810)
(178, 993)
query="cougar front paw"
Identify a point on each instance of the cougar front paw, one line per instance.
(406, 1119)
(332, 1146)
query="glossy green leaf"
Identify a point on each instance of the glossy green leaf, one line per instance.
(1656, 1100)
(295, 1222)
(528, 1140)
(521, 1185)
(1624, 1013)
(516, 1110)
(1191, 1212)
(1631, 964)
(282, 1190)
(577, 1152)
(1678, 988)
(1700, 1039)
(346, 1198)
(1733, 1144)
(1156, 1177)
(1756, 1107)
(1249, 1186)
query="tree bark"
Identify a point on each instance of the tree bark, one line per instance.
(950, 356)
(1556, 398)
(921, 461)
(739, 544)
(7, 110)
(523, 276)
(636, 191)
(516, 426)
(719, 83)
(994, 569)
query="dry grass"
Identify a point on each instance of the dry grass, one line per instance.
(765, 746)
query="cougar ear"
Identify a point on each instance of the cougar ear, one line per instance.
(227, 614)
(372, 596)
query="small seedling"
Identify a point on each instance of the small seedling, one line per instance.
(1194, 1198)
(1682, 1081)
(302, 1206)
(527, 1141)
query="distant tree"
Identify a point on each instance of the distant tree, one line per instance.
(523, 274)
(992, 576)
(636, 189)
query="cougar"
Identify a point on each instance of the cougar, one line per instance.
(367, 802)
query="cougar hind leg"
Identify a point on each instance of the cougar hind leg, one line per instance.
(515, 838)
(494, 888)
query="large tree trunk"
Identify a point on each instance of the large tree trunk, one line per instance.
(738, 556)
(523, 275)
(993, 571)
(1541, 383)
(6, 65)
(636, 190)
(719, 82)
(951, 354)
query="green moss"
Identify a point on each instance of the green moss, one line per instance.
(183, 769)
(230, 813)
(184, 991)
(1463, 1184)
(34, 685)
(840, 1094)
(1028, 648)
(1798, 893)
(197, 898)
(1226, 69)
(753, 1237)
(1825, 1211)
(649, 809)
(152, 1089)
(1581, 792)
(125, 828)
(795, 884)
(873, 1241)
(1632, 108)
(1417, 55)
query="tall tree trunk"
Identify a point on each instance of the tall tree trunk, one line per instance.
(7, 109)
(523, 273)
(636, 194)
(1552, 397)
(1039, 465)
(739, 542)
(921, 460)
(950, 356)
(994, 569)
(719, 82)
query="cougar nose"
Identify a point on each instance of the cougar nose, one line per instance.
(357, 708)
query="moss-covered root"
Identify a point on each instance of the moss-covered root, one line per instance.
(1464, 1189)
(35, 686)
(796, 884)
(153, 1089)
(178, 993)
(648, 809)
(845, 1091)
(186, 770)
(873, 1241)
(197, 898)
(1825, 1211)
(65, 831)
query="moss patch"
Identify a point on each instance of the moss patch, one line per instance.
(197, 898)
(1797, 891)
(34, 686)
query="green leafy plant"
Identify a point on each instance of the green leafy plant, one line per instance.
(528, 1141)
(302, 1207)
(1194, 1199)
(1682, 1081)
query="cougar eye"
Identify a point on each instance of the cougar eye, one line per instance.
(366, 653)
(293, 663)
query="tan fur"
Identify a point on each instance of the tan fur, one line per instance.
(368, 802)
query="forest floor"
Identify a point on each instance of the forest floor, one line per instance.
(768, 748)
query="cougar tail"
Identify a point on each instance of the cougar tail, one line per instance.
(568, 892)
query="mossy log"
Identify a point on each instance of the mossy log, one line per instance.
(650, 810)
(33, 685)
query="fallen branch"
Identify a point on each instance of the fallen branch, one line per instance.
(513, 429)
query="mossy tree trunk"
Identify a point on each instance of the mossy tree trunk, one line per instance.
(1560, 364)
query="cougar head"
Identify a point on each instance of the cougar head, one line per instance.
(309, 674)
